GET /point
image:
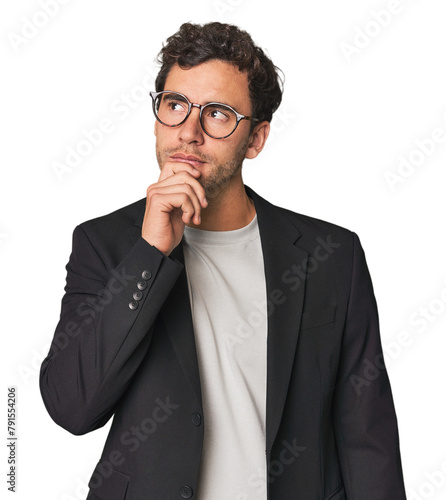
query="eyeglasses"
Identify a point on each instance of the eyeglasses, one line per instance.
(217, 120)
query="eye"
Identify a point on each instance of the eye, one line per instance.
(218, 113)
(174, 103)
(177, 106)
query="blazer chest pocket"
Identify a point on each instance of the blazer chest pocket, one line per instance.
(318, 317)
(107, 484)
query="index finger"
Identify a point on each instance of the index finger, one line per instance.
(173, 167)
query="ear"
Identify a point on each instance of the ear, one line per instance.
(257, 139)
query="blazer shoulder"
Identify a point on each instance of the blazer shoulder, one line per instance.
(110, 236)
(114, 223)
(308, 227)
(307, 231)
(312, 225)
(312, 229)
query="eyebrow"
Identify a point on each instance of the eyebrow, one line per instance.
(169, 96)
(172, 97)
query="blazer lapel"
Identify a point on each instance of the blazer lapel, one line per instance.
(278, 237)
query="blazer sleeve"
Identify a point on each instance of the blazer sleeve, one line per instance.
(364, 416)
(101, 339)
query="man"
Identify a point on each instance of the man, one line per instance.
(236, 343)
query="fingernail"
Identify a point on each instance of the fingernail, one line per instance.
(204, 201)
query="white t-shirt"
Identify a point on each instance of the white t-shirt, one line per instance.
(227, 288)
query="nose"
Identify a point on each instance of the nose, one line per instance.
(190, 131)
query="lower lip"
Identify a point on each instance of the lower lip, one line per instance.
(194, 163)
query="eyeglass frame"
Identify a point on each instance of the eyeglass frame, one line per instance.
(191, 105)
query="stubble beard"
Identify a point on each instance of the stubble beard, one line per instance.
(221, 174)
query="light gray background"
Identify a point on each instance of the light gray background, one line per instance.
(344, 124)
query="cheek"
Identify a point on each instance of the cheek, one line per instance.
(162, 132)
(165, 137)
(158, 131)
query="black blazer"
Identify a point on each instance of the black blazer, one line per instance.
(124, 346)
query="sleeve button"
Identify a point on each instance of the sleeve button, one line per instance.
(133, 305)
(146, 275)
(137, 296)
(142, 285)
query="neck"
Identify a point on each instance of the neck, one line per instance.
(231, 209)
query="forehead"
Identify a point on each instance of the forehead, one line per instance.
(214, 80)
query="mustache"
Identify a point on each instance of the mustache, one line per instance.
(201, 156)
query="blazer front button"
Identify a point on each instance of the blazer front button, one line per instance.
(133, 305)
(186, 492)
(196, 419)
(146, 275)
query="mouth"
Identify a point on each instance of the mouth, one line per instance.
(191, 159)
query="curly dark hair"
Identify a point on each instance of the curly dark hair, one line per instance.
(194, 44)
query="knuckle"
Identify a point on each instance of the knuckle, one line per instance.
(151, 189)
(188, 188)
(184, 175)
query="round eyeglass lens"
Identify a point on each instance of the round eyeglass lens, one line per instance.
(171, 108)
(218, 120)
